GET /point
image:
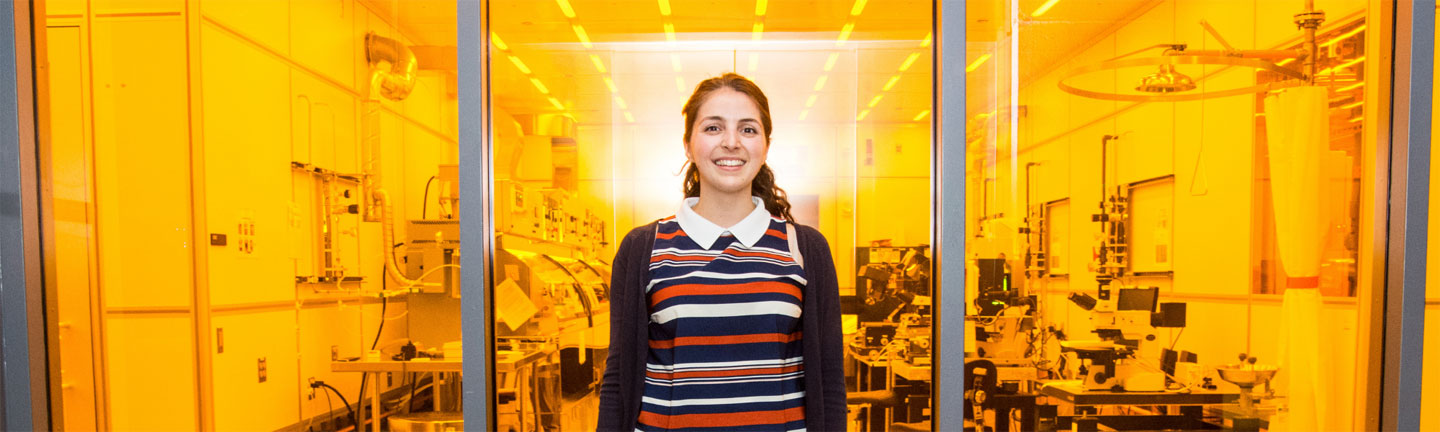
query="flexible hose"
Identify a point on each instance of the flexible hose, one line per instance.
(387, 234)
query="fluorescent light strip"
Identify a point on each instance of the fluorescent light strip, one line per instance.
(862, 115)
(1357, 119)
(858, 8)
(680, 84)
(1341, 66)
(495, 38)
(820, 83)
(557, 104)
(675, 62)
(804, 113)
(978, 61)
(539, 86)
(921, 115)
(1352, 86)
(1339, 38)
(665, 7)
(580, 33)
(1044, 8)
(519, 65)
(844, 34)
(876, 100)
(599, 65)
(830, 62)
(629, 118)
(757, 30)
(811, 101)
(891, 83)
(670, 32)
(566, 9)
(610, 84)
(1352, 105)
(754, 61)
(1285, 62)
(926, 42)
(621, 103)
(760, 7)
(909, 61)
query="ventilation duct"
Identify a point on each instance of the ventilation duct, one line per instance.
(396, 82)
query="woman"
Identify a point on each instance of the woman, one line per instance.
(716, 328)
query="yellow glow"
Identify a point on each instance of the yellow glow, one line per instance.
(811, 101)
(580, 33)
(1341, 66)
(921, 115)
(680, 84)
(555, 102)
(495, 38)
(519, 65)
(539, 85)
(909, 61)
(804, 113)
(675, 62)
(844, 34)
(565, 8)
(858, 8)
(1339, 38)
(621, 103)
(599, 65)
(1044, 8)
(1352, 105)
(1352, 87)
(862, 115)
(1285, 62)
(757, 30)
(1357, 119)
(820, 83)
(611, 85)
(890, 84)
(876, 100)
(665, 7)
(830, 62)
(978, 61)
(754, 61)
(926, 42)
(670, 32)
(629, 118)
(760, 7)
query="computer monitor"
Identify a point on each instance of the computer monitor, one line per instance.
(1138, 299)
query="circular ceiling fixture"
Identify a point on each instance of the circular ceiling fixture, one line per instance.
(1169, 85)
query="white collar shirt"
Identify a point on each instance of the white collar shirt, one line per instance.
(748, 231)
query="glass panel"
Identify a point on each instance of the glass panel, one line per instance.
(1226, 223)
(589, 143)
(215, 169)
(1430, 387)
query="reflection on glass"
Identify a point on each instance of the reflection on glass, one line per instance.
(249, 201)
(1164, 197)
(1430, 388)
(587, 145)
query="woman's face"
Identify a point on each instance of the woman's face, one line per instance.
(727, 144)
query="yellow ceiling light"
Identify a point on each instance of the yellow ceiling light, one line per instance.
(857, 8)
(862, 115)
(565, 8)
(1357, 119)
(680, 84)
(811, 101)
(1351, 87)
(909, 61)
(760, 7)
(599, 65)
(580, 33)
(539, 85)
(844, 34)
(665, 7)
(519, 65)
(629, 118)
(1352, 105)
(978, 61)
(875, 101)
(1339, 38)
(621, 103)
(926, 42)
(757, 30)
(675, 62)
(754, 62)
(921, 115)
(495, 38)
(1341, 66)
(670, 32)
(830, 62)
(891, 83)
(803, 114)
(556, 103)
(610, 84)
(820, 83)
(1044, 8)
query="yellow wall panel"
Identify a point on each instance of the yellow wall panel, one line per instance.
(239, 390)
(263, 21)
(142, 160)
(325, 131)
(323, 38)
(320, 329)
(151, 374)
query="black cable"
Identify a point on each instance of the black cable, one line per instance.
(342, 399)
(414, 382)
(426, 203)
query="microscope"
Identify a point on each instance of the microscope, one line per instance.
(1126, 329)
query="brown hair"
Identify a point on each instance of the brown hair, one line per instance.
(763, 186)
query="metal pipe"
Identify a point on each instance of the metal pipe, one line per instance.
(396, 83)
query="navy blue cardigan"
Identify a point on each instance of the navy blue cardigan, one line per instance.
(624, 379)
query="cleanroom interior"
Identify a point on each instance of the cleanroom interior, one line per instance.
(222, 253)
